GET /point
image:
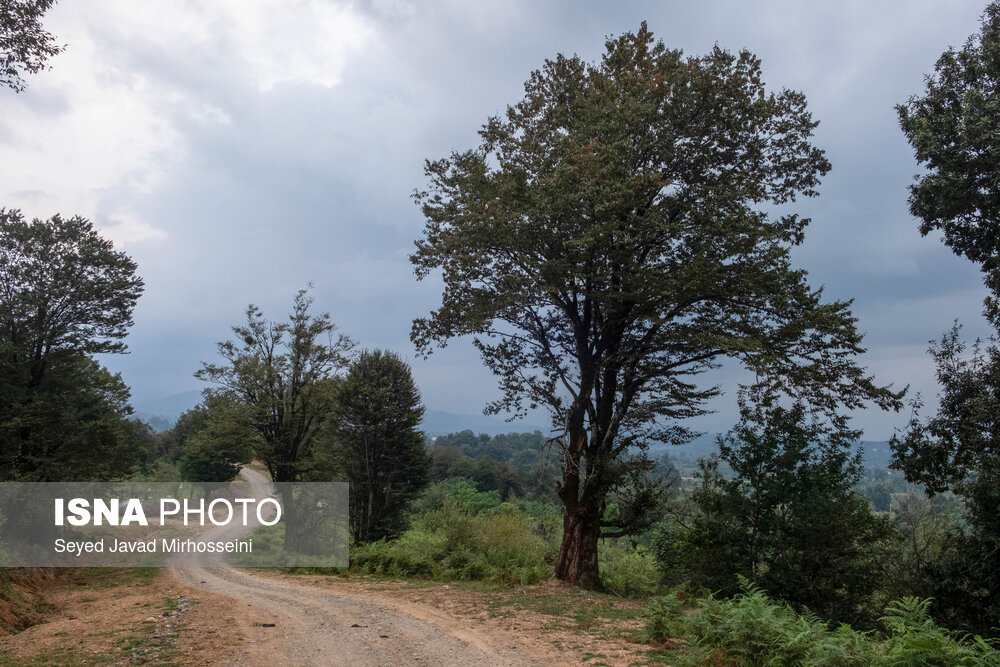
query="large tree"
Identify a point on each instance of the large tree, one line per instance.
(279, 377)
(618, 231)
(24, 46)
(63, 290)
(953, 128)
(65, 294)
(376, 445)
(280, 374)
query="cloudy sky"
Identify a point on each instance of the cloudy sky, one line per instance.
(241, 149)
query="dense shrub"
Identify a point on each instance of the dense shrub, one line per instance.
(500, 544)
(627, 570)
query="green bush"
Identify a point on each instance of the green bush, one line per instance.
(452, 541)
(626, 570)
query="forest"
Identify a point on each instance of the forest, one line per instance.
(621, 230)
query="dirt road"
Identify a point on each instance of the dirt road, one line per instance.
(319, 626)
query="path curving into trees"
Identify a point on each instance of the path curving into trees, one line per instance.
(320, 626)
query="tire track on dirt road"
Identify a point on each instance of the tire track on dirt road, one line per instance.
(319, 626)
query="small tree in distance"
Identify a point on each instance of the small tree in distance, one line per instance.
(280, 375)
(611, 239)
(375, 443)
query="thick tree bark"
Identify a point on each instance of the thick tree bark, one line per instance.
(577, 561)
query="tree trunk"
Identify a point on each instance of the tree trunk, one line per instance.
(577, 561)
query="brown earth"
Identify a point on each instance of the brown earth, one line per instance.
(227, 616)
(118, 617)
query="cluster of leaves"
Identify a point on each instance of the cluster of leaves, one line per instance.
(751, 629)
(953, 130)
(25, 46)
(957, 450)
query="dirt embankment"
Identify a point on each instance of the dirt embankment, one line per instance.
(22, 596)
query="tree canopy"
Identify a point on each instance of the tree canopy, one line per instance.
(63, 289)
(613, 236)
(953, 129)
(24, 46)
(278, 375)
(65, 294)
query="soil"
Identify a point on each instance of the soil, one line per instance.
(225, 616)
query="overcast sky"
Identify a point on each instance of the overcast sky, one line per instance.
(240, 149)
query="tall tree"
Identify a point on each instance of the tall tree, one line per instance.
(63, 290)
(24, 46)
(376, 444)
(788, 518)
(65, 294)
(953, 128)
(612, 237)
(281, 374)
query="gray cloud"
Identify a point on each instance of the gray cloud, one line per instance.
(260, 191)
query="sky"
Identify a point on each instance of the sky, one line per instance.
(240, 150)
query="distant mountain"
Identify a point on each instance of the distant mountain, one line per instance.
(438, 422)
(162, 413)
(875, 454)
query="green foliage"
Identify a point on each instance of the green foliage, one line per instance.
(375, 445)
(451, 542)
(788, 520)
(612, 237)
(629, 571)
(214, 447)
(65, 294)
(65, 291)
(281, 373)
(953, 128)
(72, 426)
(754, 630)
(957, 450)
(24, 46)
